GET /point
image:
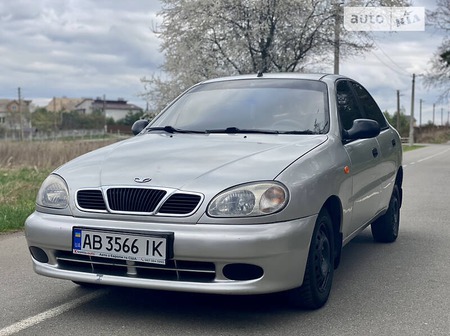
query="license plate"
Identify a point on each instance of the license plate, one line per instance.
(144, 247)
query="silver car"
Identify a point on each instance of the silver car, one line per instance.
(242, 185)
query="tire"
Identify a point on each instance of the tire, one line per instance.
(316, 287)
(385, 229)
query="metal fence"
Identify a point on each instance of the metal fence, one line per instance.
(28, 134)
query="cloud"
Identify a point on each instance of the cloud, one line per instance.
(87, 48)
(390, 65)
(77, 48)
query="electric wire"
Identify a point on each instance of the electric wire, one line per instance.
(390, 59)
(400, 71)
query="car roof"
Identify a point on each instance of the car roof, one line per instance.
(280, 75)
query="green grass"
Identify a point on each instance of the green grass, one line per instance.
(18, 192)
(23, 167)
(407, 148)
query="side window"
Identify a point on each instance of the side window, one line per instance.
(371, 108)
(347, 105)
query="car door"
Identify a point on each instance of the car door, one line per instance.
(388, 141)
(364, 155)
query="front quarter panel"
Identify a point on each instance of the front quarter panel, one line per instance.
(317, 176)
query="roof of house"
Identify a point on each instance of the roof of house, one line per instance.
(114, 105)
(4, 103)
(63, 104)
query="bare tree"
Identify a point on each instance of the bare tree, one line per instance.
(202, 39)
(438, 76)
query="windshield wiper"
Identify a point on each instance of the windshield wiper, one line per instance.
(234, 130)
(170, 129)
(228, 130)
(298, 132)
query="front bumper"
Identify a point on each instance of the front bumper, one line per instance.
(279, 249)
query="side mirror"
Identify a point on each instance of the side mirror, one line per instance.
(362, 129)
(138, 126)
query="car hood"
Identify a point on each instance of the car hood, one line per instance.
(183, 161)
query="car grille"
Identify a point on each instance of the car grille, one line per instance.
(137, 200)
(180, 204)
(91, 199)
(174, 270)
(134, 199)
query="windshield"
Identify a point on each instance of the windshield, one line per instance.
(281, 105)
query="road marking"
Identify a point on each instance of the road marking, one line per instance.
(426, 158)
(33, 320)
(432, 156)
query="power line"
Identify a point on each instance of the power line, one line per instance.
(387, 65)
(390, 59)
(402, 72)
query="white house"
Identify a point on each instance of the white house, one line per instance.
(115, 109)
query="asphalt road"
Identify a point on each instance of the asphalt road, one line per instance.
(395, 289)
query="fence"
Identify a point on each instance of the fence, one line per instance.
(15, 135)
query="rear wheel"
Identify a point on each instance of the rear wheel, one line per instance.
(316, 287)
(385, 229)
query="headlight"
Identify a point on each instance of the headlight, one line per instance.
(53, 193)
(255, 199)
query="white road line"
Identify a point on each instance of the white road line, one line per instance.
(33, 320)
(432, 156)
(426, 158)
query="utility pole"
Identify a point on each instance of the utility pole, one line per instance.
(55, 119)
(434, 110)
(337, 32)
(20, 113)
(398, 110)
(420, 113)
(105, 127)
(442, 116)
(411, 120)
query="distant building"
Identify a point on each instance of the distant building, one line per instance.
(63, 104)
(10, 111)
(115, 109)
(85, 106)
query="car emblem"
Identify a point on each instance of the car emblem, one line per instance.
(142, 180)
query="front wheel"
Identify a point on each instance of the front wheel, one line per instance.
(385, 229)
(316, 287)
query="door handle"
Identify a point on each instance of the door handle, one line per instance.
(375, 152)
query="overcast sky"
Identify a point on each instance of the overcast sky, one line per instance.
(91, 48)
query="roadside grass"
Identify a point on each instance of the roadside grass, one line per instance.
(45, 154)
(18, 192)
(24, 166)
(407, 148)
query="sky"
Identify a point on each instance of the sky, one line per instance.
(91, 48)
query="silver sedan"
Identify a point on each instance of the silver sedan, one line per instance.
(242, 185)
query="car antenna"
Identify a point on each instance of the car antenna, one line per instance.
(260, 73)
